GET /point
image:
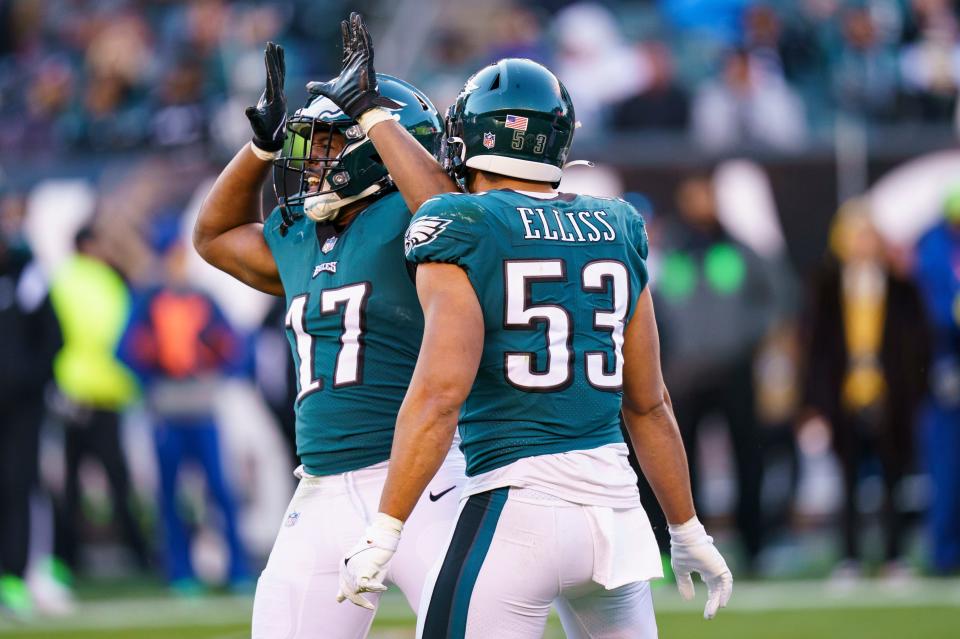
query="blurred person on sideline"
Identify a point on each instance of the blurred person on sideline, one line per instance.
(92, 303)
(748, 105)
(662, 104)
(518, 33)
(716, 302)
(181, 347)
(867, 353)
(181, 118)
(112, 117)
(118, 72)
(938, 275)
(865, 76)
(930, 61)
(801, 42)
(448, 54)
(595, 63)
(29, 340)
(762, 35)
(41, 123)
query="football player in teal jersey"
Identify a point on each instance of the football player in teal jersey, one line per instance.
(539, 333)
(334, 249)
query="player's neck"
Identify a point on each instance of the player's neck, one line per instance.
(349, 213)
(479, 181)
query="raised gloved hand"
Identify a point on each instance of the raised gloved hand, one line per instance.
(355, 90)
(364, 568)
(268, 118)
(692, 550)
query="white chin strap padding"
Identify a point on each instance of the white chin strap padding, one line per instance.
(463, 146)
(326, 206)
(579, 163)
(512, 167)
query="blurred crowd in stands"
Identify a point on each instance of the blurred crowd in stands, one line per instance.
(117, 74)
(131, 438)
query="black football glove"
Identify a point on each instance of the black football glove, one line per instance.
(355, 90)
(269, 118)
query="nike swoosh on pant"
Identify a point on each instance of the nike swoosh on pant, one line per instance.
(441, 493)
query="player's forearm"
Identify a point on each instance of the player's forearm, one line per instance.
(423, 437)
(234, 200)
(446, 369)
(659, 449)
(229, 230)
(416, 173)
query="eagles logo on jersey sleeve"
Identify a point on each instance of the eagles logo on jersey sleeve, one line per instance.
(422, 231)
(447, 228)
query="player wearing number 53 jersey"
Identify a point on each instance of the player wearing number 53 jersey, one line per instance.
(334, 249)
(557, 277)
(539, 333)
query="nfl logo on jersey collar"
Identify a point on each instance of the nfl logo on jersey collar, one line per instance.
(329, 244)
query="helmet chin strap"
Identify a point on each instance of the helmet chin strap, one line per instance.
(326, 206)
(463, 146)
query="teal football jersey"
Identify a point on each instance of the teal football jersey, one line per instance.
(558, 280)
(355, 325)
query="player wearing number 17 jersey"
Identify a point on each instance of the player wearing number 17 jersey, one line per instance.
(539, 332)
(334, 250)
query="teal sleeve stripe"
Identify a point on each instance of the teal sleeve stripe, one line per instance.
(450, 600)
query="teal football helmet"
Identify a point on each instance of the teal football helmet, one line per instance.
(513, 118)
(309, 180)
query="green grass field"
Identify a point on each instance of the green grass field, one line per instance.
(927, 609)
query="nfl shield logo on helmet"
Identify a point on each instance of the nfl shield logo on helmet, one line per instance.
(292, 519)
(489, 139)
(329, 244)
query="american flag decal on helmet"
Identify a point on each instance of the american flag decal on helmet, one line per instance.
(516, 122)
(423, 231)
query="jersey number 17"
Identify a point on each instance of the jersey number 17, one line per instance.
(351, 302)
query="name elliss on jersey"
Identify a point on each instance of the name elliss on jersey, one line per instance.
(570, 226)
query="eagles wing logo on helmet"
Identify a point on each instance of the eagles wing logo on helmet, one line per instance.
(321, 108)
(423, 231)
(324, 108)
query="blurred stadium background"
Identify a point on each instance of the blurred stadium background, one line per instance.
(797, 162)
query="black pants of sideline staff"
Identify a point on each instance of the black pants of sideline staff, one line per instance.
(95, 434)
(19, 461)
(732, 397)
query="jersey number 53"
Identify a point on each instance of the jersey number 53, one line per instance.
(597, 276)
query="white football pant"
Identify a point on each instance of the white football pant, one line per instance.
(513, 553)
(296, 593)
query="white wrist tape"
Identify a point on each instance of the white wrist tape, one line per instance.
(266, 156)
(385, 522)
(372, 117)
(691, 531)
(384, 532)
